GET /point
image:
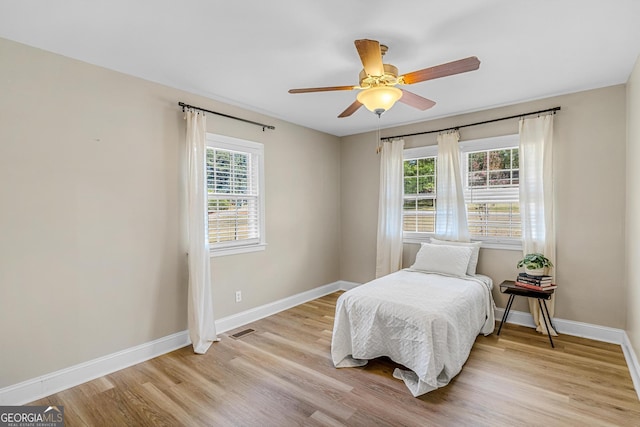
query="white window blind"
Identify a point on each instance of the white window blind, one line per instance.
(419, 209)
(491, 188)
(235, 199)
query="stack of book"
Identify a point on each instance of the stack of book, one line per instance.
(537, 283)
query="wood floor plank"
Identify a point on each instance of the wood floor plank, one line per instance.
(282, 375)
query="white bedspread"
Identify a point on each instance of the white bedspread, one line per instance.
(426, 322)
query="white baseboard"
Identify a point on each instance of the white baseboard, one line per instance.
(516, 317)
(45, 385)
(346, 286)
(632, 362)
(569, 327)
(235, 321)
(585, 330)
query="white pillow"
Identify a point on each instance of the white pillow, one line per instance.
(473, 262)
(446, 259)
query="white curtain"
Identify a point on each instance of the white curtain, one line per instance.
(389, 241)
(451, 211)
(202, 330)
(536, 198)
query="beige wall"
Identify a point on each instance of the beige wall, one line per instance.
(589, 150)
(302, 177)
(92, 258)
(633, 208)
(92, 254)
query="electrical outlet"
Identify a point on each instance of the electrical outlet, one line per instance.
(238, 296)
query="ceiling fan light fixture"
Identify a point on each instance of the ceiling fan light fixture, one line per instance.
(379, 98)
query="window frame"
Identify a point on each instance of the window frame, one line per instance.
(491, 143)
(256, 151)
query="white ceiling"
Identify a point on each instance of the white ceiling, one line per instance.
(249, 53)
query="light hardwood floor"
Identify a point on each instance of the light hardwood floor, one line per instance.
(282, 375)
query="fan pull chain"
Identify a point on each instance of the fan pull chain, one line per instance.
(379, 144)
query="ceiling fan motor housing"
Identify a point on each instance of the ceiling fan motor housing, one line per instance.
(389, 78)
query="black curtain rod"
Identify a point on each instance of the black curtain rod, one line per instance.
(554, 109)
(262, 125)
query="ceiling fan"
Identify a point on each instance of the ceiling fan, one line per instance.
(378, 81)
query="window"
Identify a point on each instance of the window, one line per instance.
(490, 170)
(235, 186)
(419, 211)
(491, 187)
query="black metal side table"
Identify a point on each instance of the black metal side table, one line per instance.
(510, 288)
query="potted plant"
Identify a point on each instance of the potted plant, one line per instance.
(535, 264)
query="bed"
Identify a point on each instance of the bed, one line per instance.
(425, 318)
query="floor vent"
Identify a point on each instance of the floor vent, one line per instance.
(242, 333)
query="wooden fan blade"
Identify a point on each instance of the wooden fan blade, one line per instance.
(416, 101)
(369, 51)
(351, 109)
(450, 68)
(322, 89)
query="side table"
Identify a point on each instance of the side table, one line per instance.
(510, 288)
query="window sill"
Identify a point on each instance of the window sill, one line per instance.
(508, 245)
(213, 253)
